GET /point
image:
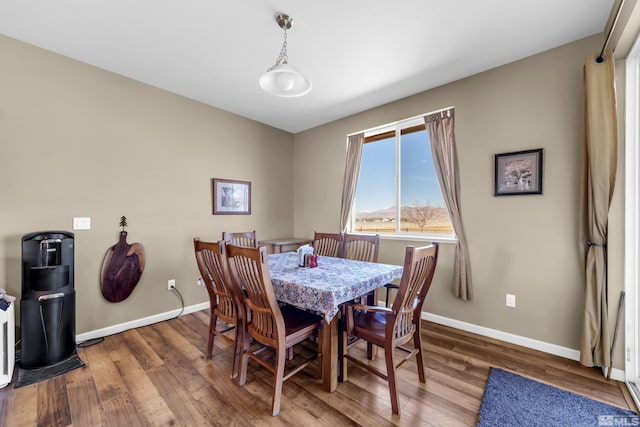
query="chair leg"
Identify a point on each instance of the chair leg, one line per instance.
(342, 349)
(319, 338)
(212, 327)
(372, 299)
(277, 381)
(371, 351)
(246, 346)
(391, 378)
(417, 342)
(237, 351)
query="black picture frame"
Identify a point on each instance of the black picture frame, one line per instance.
(518, 173)
(231, 197)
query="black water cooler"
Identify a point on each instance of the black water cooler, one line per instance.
(48, 303)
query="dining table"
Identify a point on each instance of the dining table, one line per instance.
(323, 289)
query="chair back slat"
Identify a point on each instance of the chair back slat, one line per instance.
(249, 269)
(212, 264)
(243, 238)
(419, 267)
(361, 247)
(327, 244)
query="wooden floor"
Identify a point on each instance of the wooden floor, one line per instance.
(157, 376)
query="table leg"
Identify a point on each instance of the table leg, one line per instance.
(330, 354)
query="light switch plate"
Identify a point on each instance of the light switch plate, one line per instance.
(81, 223)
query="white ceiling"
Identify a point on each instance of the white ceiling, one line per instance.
(359, 54)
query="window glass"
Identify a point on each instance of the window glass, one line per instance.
(376, 193)
(397, 170)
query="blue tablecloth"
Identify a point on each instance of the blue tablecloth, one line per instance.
(322, 289)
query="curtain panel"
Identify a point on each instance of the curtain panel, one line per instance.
(599, 165)
(441, 126)
(351, 173)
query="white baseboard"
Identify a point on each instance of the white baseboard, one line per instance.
(504, 336)
(616, 374)
(121, 327)
(568, 353)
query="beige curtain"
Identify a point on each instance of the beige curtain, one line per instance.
(443, 150)
(351, 173)
(599, 164)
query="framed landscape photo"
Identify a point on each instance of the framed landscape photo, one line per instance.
(517, 173)
(231, 197)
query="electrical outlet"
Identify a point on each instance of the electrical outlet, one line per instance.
(81, 223)
(171, 284)
(511, 300)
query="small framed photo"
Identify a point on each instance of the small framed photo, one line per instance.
(519, 172)
(231, 197)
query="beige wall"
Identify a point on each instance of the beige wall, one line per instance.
(523, 245)
(79, 141)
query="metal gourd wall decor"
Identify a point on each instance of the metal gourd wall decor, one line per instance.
(122, 267)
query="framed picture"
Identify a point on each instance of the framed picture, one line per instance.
(519, 172)
(231, 197)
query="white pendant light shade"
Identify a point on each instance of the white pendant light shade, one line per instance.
(286, 81)
(283, 79)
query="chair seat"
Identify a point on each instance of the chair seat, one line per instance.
(296, 320)
(370, 326)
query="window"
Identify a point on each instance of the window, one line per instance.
(398, 191)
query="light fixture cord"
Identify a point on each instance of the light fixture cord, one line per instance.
(283, 58)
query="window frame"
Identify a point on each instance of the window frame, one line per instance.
(396, 130)
(632, 223)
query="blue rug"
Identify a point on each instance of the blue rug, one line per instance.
(512, 400)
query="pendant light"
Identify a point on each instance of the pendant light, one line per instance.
(284, 79)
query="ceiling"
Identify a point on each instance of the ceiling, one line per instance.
(359, 54)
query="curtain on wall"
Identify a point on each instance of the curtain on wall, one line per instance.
(443, 150)
(599, 164)
(351, 173)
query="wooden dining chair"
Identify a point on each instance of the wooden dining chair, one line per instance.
(327, 244)
(225, 303)
(242, 238)
(361, 247)
(267, 323)
(392, 327)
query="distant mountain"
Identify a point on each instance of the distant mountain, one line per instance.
(380, 214)
(390, 213)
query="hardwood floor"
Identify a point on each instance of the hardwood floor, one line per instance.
(157, 376)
